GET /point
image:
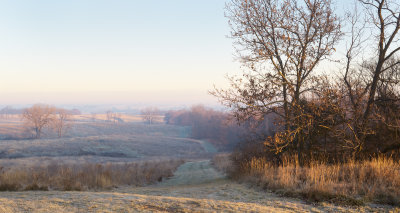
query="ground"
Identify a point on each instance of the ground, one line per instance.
(195, 187)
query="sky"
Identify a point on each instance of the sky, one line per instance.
(119, 51)
(122, 51)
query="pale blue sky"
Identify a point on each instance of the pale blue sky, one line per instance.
(114, 51)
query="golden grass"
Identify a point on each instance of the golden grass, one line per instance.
(376, 180)
(86, 176)
(221, 195)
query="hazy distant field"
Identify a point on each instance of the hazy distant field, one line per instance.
(96, 140)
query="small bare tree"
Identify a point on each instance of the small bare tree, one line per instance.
(37, 117)
(117, 117)
(61, 122)
(109, 115)
(150, 114)
(6, 112)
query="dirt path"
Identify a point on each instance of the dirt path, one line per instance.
(196, 187)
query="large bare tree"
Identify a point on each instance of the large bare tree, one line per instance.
(37, 117)
(282, 42)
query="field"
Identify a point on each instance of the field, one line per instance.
(99, 142)
(195, 185)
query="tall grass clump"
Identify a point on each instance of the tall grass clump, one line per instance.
(86, 176)
(352, 182)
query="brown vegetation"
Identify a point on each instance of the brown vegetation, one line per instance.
(86, 176)
(353, 182)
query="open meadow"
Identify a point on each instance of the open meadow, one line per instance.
(99, 141)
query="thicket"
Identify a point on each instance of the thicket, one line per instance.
(214, 126)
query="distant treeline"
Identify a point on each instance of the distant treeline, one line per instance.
(8, 110)
(214, 126)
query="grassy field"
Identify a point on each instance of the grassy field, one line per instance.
(99, 142)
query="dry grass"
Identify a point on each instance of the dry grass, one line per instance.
(222, 162)
(351, 183)
(86, 176)
(126, 141)
(219, 195)
(124, 202)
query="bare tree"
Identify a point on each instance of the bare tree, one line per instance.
(113, 117)
(282, 42)
(376, 80)
(150, 114)
(37, 117)
(109, 115)
(117, 117)
(385, 16)
(61, 121)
